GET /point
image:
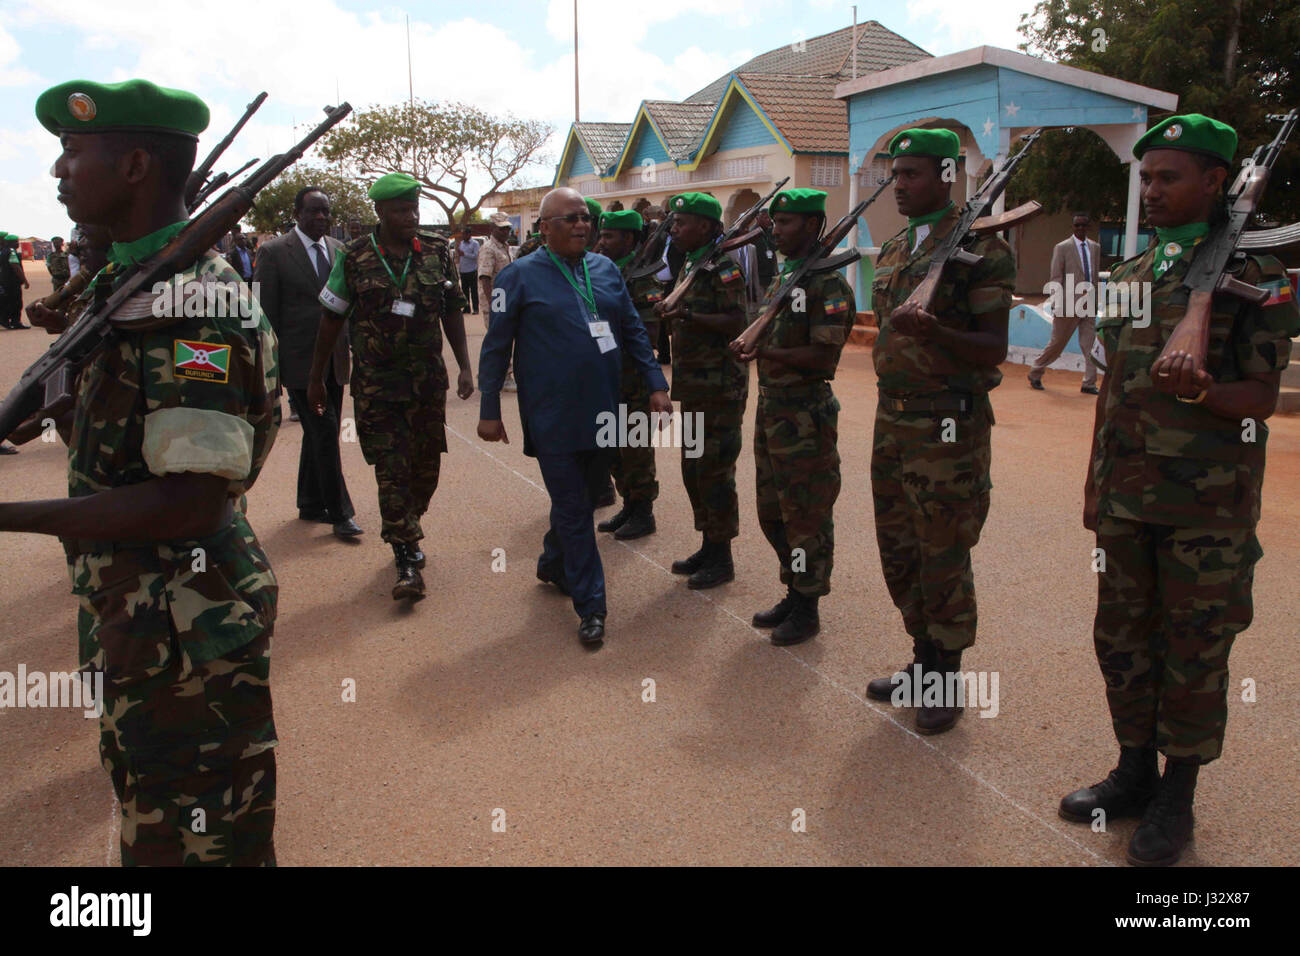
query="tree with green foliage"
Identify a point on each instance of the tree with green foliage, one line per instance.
(1235, 60)
(452, 149)
(273, 211)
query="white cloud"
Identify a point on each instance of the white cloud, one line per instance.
(958, 26)
(12, 74)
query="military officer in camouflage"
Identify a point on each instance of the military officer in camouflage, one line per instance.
(170, 428)
(1173, 493)
(634, 468)
(708, 379)
(797, 462)
(395, 286)
(931, 453)
(57, 263)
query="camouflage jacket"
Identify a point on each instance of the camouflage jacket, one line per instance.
(909, 366)
(826, 317)
(704, 369)
(57, 264)
(201, 395)
(394, 357)
(1163, 461)
(646, 293)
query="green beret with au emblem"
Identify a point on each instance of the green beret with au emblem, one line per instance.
(83, 106)
(925, 142)
(807, 201)
(697, 204)
(1192, 133)
(628, 219)
(394, 186)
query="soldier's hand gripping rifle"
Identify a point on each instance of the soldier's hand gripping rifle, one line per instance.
(1217, 256)
(195, 190)
(738, 235)
(821, 259)
(45, 389)
(973, 222)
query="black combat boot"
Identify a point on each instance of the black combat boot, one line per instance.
(1124, 793)
(935, 720)
(640, 521)
(716, 568)
(616, 521)
(882, 688)
(775, 615)
(1166, 827)
(801, 624)
(410, 583)
(694, 562)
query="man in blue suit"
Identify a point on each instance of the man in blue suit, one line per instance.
(567, 314)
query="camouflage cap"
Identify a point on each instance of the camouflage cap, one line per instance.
(394, 186)
(810, 201)
(697, 204)
(1192, 133)
(628, 219)
(925, 142)
(83, 106)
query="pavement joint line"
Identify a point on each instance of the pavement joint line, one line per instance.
(114, 821)
(882, 714)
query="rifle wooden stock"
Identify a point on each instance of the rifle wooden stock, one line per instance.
(1012, 217)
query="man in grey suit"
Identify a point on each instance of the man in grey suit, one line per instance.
(290, 271)
(1074, 262)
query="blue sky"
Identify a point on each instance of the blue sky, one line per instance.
(502, 55)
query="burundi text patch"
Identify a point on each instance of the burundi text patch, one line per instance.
(201, 361)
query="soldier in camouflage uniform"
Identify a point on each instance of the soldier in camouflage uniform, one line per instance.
(634, 467)
(395, 287)
(1173, 494)
(708, 379)
(529, 245)
(795, 436)
(57, 263)
(171, 427)
(930, 455)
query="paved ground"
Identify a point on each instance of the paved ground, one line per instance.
(481, 700)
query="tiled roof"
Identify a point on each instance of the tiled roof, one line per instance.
(682, 125)
(804, 109)
(828, 55)
(604, 141)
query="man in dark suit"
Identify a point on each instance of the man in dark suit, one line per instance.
(290, 272)
(567, 315)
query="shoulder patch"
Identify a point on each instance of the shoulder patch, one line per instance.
(201, 361)
(729, 273)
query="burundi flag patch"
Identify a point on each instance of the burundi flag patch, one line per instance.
(201, 361)
(1279, 292)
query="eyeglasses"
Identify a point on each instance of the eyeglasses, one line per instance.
(572, 218)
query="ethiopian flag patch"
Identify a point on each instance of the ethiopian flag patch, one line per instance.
(834, 306)
(729, 274)
(201, 361)
(1279, 291)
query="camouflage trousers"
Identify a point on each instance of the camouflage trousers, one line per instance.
(633, 469)
(1170, 602)
(797, 466)
(190, 754)
(404, 441)
(710, 479)
(931, 498)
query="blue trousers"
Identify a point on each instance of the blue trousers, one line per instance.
(573, 481)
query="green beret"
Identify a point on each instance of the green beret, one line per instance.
(925, 142)
(628, 219)
(593, 208)
(697, 204)
(394, 186)
(799, 200)
(1192, 133)
(81, 106)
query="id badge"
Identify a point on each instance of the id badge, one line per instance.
(599, 330)
(403, 308)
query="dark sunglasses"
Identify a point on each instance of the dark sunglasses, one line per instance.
(572, 218)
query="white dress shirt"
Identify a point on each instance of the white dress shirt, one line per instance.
(311, 244)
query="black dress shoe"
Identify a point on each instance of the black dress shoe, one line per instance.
(8, 449)
(1090, 390)
(347, 528)
(592, 629)
(1036, 385)
(802, 623)
(548, 576)
(640, 522)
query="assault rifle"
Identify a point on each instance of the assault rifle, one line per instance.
(646, 261)
(974, 222)
(45, 389)
(195, 191)
(822, 259)
(1218, 256)
(738, 235)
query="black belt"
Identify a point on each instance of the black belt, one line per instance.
(795, 391)
(75, 546)
(935, 402)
